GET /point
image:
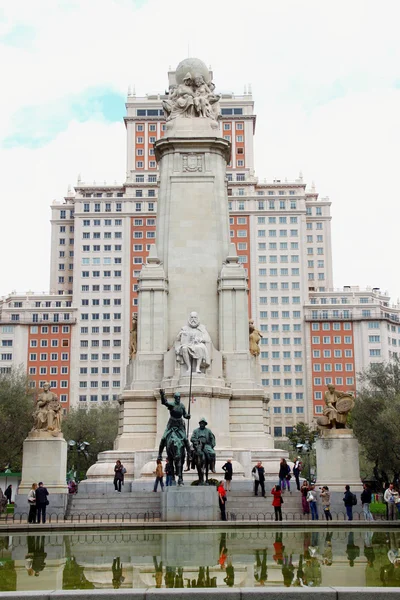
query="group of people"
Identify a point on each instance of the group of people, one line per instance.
(392, 499)
(38, 502)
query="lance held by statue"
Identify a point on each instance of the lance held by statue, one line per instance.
(175, 439)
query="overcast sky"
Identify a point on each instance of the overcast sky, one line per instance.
(325, 77)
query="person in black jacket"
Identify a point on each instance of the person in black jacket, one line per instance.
(258, 473)
(41, 502)
(348, 502)
(366, 499)
(8, 493)
(227, 467)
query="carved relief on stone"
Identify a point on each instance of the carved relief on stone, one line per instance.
(192, 162)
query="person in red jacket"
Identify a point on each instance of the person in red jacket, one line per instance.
(277, 502)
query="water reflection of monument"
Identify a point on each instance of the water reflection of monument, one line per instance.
(195, 559)
(192, 270)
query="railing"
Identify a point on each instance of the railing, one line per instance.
(90, 517)
(299, 516)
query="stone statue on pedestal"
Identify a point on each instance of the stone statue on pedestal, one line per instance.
(254, 339)
(192, 344)
(174, 438)
(203, 441)
(133, 338)
(336, 409)
(47, 415)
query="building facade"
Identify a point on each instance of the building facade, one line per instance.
(101, 236)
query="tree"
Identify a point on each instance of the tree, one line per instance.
(376, 418)
(302, 433)
(98, 426)
(16, 417)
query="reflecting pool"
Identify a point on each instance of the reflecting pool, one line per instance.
(192, 559)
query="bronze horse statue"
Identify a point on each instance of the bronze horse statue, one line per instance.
(176, 455)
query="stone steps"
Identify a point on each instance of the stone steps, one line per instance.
(139, 502)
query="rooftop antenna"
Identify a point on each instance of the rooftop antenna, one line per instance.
(249, 88)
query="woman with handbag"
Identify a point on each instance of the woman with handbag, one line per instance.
(277, 502)
(32, 503)
(284, 475)
(119, 471)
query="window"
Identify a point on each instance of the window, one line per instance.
(374, 352)
(277, 431)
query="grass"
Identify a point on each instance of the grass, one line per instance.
(378, 508)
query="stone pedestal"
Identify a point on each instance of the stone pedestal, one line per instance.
(179, 503)
(338, 460)
(44, 459)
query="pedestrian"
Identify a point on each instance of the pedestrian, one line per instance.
(41, 502)
(284, 475)
(3, 502)
(390, 496)
(297, 469)
(159, 476)
(366, 499)
(348, 500)
(169, 471)
(227, 467)
(312, 500)
(258, 474)
(325, 496)
(304, 491)
(8, 493)
(32, 503)
(277, 502)
(222, 500)
(119, 472)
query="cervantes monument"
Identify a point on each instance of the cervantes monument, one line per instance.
(193, 301)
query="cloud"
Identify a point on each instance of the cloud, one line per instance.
(325, 81)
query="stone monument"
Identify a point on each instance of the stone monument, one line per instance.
(45, 455)
(192, 273)
(337, 448)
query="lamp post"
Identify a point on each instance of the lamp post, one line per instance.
(81, 448)
(305, 449)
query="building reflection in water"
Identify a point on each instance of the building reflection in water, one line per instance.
(200, 559)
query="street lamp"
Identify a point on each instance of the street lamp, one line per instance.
(81, 448)
(306, 449)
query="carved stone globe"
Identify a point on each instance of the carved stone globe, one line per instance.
(194, 66)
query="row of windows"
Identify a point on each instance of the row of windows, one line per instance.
(338, 381)
(50, 370)
(106, 222)
(107, 329)
(138, 235)
(6, 356)
(44, 317)
(115, 356)
(96, 343)
(97, 206)
(286, 354)
(107, 260)
(45, 343)
(106, 302)
(282, 246)
(140, 193)
(95, 397)
(327, 326)
(282, 300)
(96, 370)
(274, 314)
(149, 222)
(104, 384)
(273, 233)
(47, 329)
(288, 410)
(337, 339)
(336, 353)
(98, 316)
(274, 220)
(286, 341)
(337, 367)
(295, 272)
(329, 380)
(286, 368)
(274, 285)
(33, 357)
(285, 327)
(277, 382)
(283, 258)
(86, 274)
(278, 431)
(140, 164)
(106, 288)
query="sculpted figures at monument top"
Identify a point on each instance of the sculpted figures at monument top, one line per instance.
(336, 409)
(133, 338)
(47, 415)
(192, 344)
(193, 95)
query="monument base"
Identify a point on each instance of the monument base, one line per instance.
(44, 459)
(338, 460)
(192, 503)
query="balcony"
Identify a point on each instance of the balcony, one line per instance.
(5, 319)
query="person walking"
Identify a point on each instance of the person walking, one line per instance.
(222, 500)
(169, 471)
(325, 496)
(32, 503)
(41, 494)
(312, 500)
(366, 499)
(119, 472)
(348, 500)
(304, 491)
(227, 467)
(297, 469)
(277, 502)
(258, 473)
(390, 496)
(159, 476)
(8, 493)
(284, 475)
